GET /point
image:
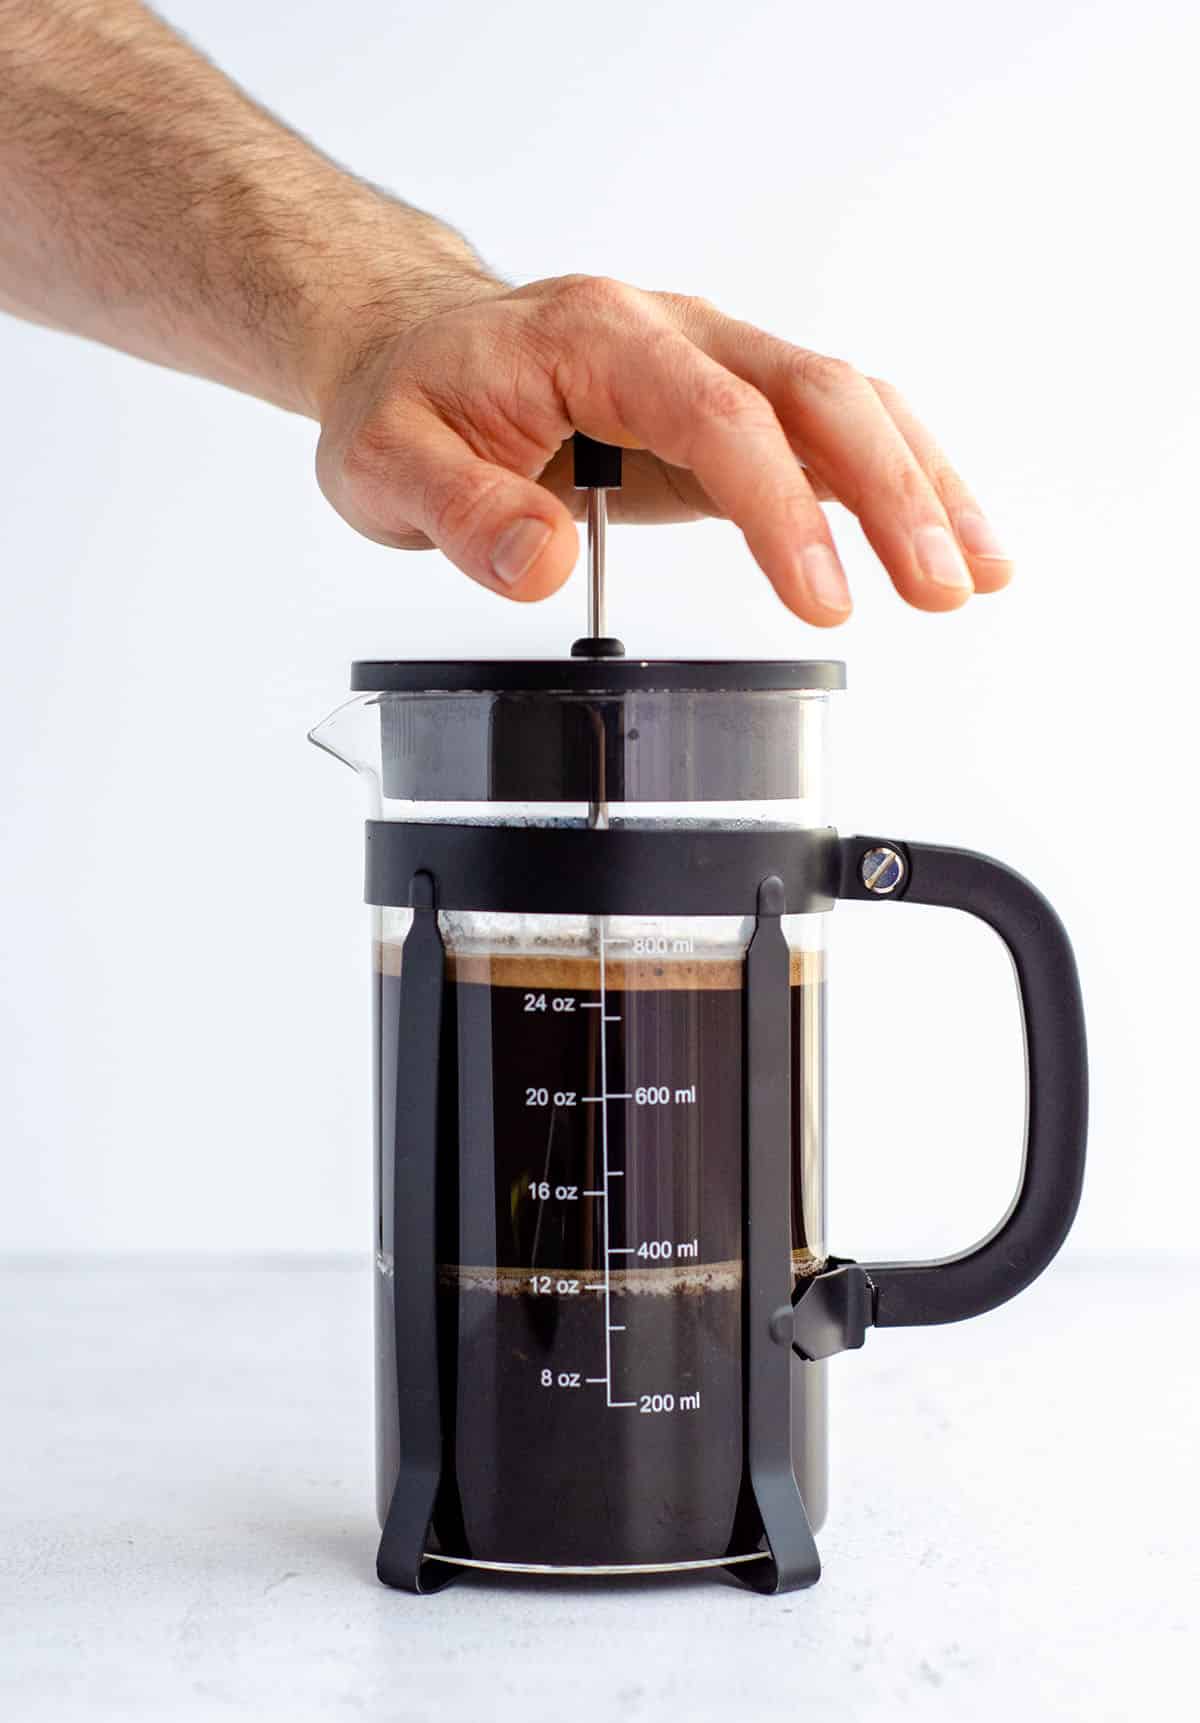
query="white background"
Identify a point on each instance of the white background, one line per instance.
(992, 206)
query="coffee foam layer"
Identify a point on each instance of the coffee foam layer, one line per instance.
(558, 973)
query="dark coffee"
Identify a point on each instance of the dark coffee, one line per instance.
(591, 1279)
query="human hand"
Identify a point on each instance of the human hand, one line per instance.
(453, 430)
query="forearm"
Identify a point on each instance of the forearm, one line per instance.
(146, 202)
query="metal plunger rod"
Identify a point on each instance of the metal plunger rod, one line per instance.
(597, 545)
(597, 471)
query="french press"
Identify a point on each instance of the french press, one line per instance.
(604, 1299)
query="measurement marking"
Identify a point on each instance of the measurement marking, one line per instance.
(609, 1019)
(593, 1193)
(603, 1379)
(590, 1005)
(591, 1098)
(614, 1174)
(615, 1403)
(623, 1095)
(622, 1250)
(616, 1328)
(598, 1287)
(608, 1399)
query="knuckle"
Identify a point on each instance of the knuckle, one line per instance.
(370, 449)
(454, 509)
(569, 289)
(798, 509)
(909, 481)
(944, 478)
(402, 538)
(691, 307)
(408, 538)
(728, 399)
(595, 295)
(818, 373)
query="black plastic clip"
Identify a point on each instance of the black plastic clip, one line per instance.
(830, 1314)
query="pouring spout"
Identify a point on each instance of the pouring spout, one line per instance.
(351, 735)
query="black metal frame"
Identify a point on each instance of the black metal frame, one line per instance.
(765, 873)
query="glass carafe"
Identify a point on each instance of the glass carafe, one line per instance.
(593, 1280)
(603, 1293)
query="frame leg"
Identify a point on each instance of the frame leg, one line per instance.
(401, 1561)
(793, 1561)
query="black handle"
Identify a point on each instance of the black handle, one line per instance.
(597, 466)
(881, 870)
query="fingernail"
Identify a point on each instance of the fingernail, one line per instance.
(941, 560)
(518, 547)
(824, 578)
(978, 536)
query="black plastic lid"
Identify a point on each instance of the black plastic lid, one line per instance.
(596, 675)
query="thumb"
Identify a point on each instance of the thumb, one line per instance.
(505, 531)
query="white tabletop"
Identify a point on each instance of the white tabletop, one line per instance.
(187, 1525)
